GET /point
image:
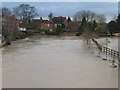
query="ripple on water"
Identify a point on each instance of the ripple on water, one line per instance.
(55, 62)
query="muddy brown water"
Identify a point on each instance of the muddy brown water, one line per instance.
(55, 62)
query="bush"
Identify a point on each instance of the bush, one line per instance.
(58, 29)
(6, 42)
(21, 35)
(102, 34)
(52, 33)
(48, 32)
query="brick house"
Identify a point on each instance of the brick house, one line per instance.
(53, 22)
(46, 24)
(59, 21)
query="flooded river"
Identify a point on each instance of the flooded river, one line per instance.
(55, 62)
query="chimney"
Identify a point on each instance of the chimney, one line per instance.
(14, 17)
(50, 18)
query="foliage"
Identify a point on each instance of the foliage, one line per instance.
(58, 29)
(102, 29)
(22, 35)
(83, 25)
(112, 25)
(94, 26)
(88, 21)
(50, 15)
(44, 30)
(10, 26)
(73, 26)
(69, 19)
(118, 23)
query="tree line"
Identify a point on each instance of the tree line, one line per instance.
(12, 18)
(84, 21)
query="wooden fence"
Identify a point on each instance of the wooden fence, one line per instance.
(113, 53)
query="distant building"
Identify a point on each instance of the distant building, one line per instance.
(46, 24)
(22, 29)
(60, 21)
(53, 22)
(41, 23)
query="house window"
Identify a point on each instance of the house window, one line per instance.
(55, 25)
(51, 30)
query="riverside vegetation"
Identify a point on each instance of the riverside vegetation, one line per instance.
(83, 23)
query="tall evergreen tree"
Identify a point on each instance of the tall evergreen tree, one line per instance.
(118, 23)
(94, 25)
(69, 19)
(112, 25)
(83, 25)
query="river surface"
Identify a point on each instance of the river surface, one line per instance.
(55, 62)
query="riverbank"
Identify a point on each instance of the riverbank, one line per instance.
(6, 43)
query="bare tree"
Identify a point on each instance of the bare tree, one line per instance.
(10, 27)
(5, 12)
(89, 15)
(0, 22)
(101, 18)
(87, 20)
(25, 12)
(9, 24)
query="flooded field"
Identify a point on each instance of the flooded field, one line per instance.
(113, 42)
(55, 62)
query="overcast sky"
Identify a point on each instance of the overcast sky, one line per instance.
(110, 9)
(59, 0)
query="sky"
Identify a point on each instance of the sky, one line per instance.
(59, 0)
(110, 9)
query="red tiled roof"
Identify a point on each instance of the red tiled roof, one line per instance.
(60, 17)
(59, 20)
(36, 19)
(45, 21)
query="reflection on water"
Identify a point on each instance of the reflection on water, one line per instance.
(55, 62)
